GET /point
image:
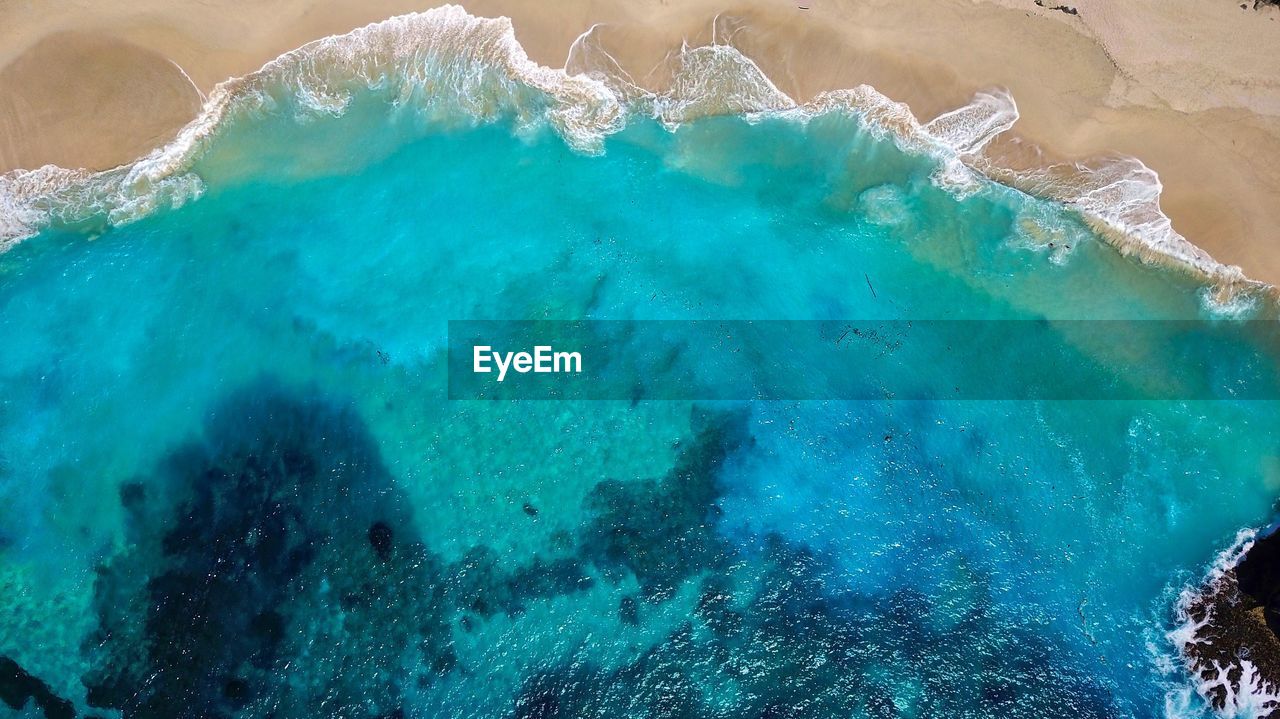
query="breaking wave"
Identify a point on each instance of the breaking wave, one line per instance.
(453, 65)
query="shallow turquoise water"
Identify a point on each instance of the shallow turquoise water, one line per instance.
(233, 485)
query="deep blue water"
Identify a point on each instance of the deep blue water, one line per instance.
(233, 485)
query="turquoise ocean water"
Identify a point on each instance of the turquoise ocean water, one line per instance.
(233, 486)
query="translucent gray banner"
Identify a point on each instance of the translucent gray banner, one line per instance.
(863, 359)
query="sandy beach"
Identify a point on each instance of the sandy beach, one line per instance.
(1187, 86)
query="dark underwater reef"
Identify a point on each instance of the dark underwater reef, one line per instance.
(284, 530)
(275, 571)
(17, 687)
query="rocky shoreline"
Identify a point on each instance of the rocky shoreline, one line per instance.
(1230, 635)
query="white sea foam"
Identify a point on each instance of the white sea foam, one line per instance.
(1120, 196)
(444, 59)
(453, 65)
(968, 129)
(965, 131)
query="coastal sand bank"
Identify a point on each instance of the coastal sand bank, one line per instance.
(1187, 86)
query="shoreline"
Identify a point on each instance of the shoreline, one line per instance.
(1230, 209)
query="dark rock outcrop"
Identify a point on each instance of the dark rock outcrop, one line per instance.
(1065, 9)
(1233, 626)
(1258, 575)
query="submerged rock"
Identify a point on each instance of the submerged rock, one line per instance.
(381, 538)
(664, 531)
(250, 567)
(18, 687)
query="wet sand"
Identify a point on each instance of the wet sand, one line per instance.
(1187, 86)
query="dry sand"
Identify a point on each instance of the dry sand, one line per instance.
(1191, 87)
